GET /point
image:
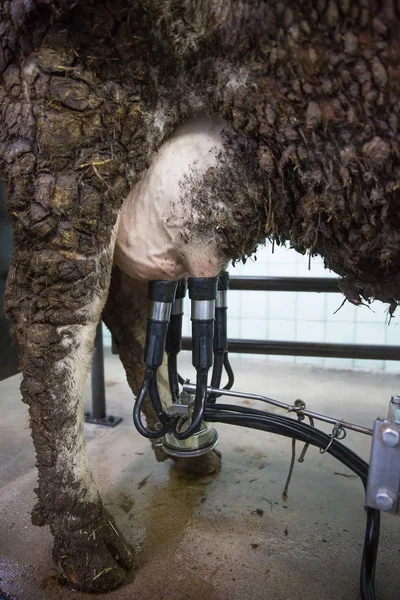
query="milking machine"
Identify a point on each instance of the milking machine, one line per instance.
(185, 428)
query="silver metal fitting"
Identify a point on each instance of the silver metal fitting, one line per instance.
(222, 299)
(384, 501)
(391, 437)
(203, 310)
(159, 311)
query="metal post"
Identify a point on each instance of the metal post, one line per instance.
(98, 385)
(98, 414)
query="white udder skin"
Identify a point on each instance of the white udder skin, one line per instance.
(149, 241)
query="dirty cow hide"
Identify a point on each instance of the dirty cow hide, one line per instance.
(89, 91)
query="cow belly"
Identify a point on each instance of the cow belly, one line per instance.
(163, 228)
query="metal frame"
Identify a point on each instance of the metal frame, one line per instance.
(300, 284)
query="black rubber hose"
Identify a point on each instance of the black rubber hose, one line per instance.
(173, 343)
(173, 376)
(368, 564)
(220, 342)
(282, 425)
(137, 409)
(229, 372)
(156, 401)
(200, 400)
(216, 374)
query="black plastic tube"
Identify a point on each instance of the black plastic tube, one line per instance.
(202, 293)
(156, 401)
(174, 338)
(368, 564)
(220, 342)
(216, 374)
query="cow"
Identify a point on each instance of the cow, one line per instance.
(288, 115)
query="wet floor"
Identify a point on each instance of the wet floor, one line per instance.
(216, 538)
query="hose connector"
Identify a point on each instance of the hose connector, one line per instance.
(161, 295)
(203, 293)
(174, 338)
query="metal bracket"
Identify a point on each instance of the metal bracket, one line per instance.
(109, 421)
(394, 409)
(383, 486)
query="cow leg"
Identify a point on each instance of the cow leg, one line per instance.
(125, 314)
(55, 299)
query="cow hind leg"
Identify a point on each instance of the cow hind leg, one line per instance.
(55, 317)
(125, 315)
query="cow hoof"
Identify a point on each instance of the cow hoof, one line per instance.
(95, 558)
(199, 466)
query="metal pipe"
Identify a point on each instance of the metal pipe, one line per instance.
(190, 388)
(98, 385)
(285, 284)
(366, 351)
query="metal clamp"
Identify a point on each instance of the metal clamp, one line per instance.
(338, 433)
(203, 310)
(159, 311)
(383, 486)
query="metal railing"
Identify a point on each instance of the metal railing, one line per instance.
(277, 347)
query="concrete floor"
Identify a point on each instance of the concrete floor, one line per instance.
(227, 537)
